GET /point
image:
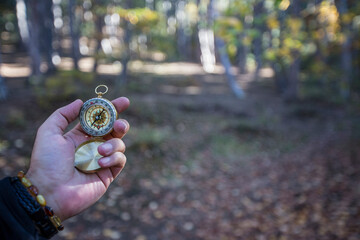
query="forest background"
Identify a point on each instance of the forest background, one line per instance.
(245, 114)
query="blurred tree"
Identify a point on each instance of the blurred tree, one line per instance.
(100, 12)
(310, 45)
(29, 25)
(206, 37)
(35, 21)
(346, 44)
(74, 22)
(3, 87)
(258, 30)
(220, 46)
(292, 43)
(137, 21)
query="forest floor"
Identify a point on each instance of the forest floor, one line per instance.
(203, 164)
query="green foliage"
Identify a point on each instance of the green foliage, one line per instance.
(148, 137)
(62, 85)
(16, 118)
(292, 31)
(142, 18)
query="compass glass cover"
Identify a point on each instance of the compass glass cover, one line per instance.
(97, 117)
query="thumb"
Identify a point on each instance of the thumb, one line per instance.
(62, 117)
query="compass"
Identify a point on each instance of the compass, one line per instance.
(97, 119)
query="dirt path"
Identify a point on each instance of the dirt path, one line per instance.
(204, 165)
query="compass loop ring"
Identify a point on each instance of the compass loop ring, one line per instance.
(99, 92)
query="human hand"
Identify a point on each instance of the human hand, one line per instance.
(52, 170)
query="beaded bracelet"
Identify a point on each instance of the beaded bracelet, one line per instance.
(33, 190)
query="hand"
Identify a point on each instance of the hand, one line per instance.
(52, 171)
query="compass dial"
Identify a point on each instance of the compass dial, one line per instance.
(97, 117)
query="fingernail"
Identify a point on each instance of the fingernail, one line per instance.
(107, 148)
(104, 161)
(124, 123)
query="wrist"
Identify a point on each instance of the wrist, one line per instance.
(36, 206)
(47, 192)
(46, 223)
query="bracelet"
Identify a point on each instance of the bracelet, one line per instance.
(34, 204)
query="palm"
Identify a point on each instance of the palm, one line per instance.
(53, 160)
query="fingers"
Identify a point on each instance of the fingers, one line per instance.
(113, 152)
(111, 146)
(121, 104)
(121, 127)
(117, 159)
(61, 118)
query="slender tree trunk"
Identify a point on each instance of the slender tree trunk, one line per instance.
(99, 24)
(346, 56)
(224, 58)
(181, 38)
(206, 39)
(293, 75)
(123, 77)
(207, 47)
(3, 87)
(259, 26)
(74, 33)
(220, 46)
(33, 43)
(242, 54)
(47, 19)
(293, 72)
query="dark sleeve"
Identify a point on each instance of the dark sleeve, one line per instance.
(14, 221)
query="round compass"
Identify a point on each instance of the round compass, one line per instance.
(97, 118)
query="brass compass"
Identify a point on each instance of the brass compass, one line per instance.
(97, 118)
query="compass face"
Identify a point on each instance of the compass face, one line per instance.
(97, 117)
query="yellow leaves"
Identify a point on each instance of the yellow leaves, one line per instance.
(328, 13)
(284, 5)
(141, 17)
(191, 10)
(230, 22)
(232, 49)
(270, 54)
(294, 24)
(329, 17)
(225, 27)
(133, 19)
(291, 43)
(347, 18)
(272, 22)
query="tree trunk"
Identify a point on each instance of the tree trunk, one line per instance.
(224, 58)
(123, 76)
(259, 26)
(33, 43)
(47, 27)
(346, 56)
(3, 87)
(206, 39)
(74, 33)
(99, 24)
(293, 72)
(293, 75)
(126, 55)
(243, 51)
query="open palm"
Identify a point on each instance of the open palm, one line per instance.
(65, 189)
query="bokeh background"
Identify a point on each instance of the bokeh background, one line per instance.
(245, 114)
